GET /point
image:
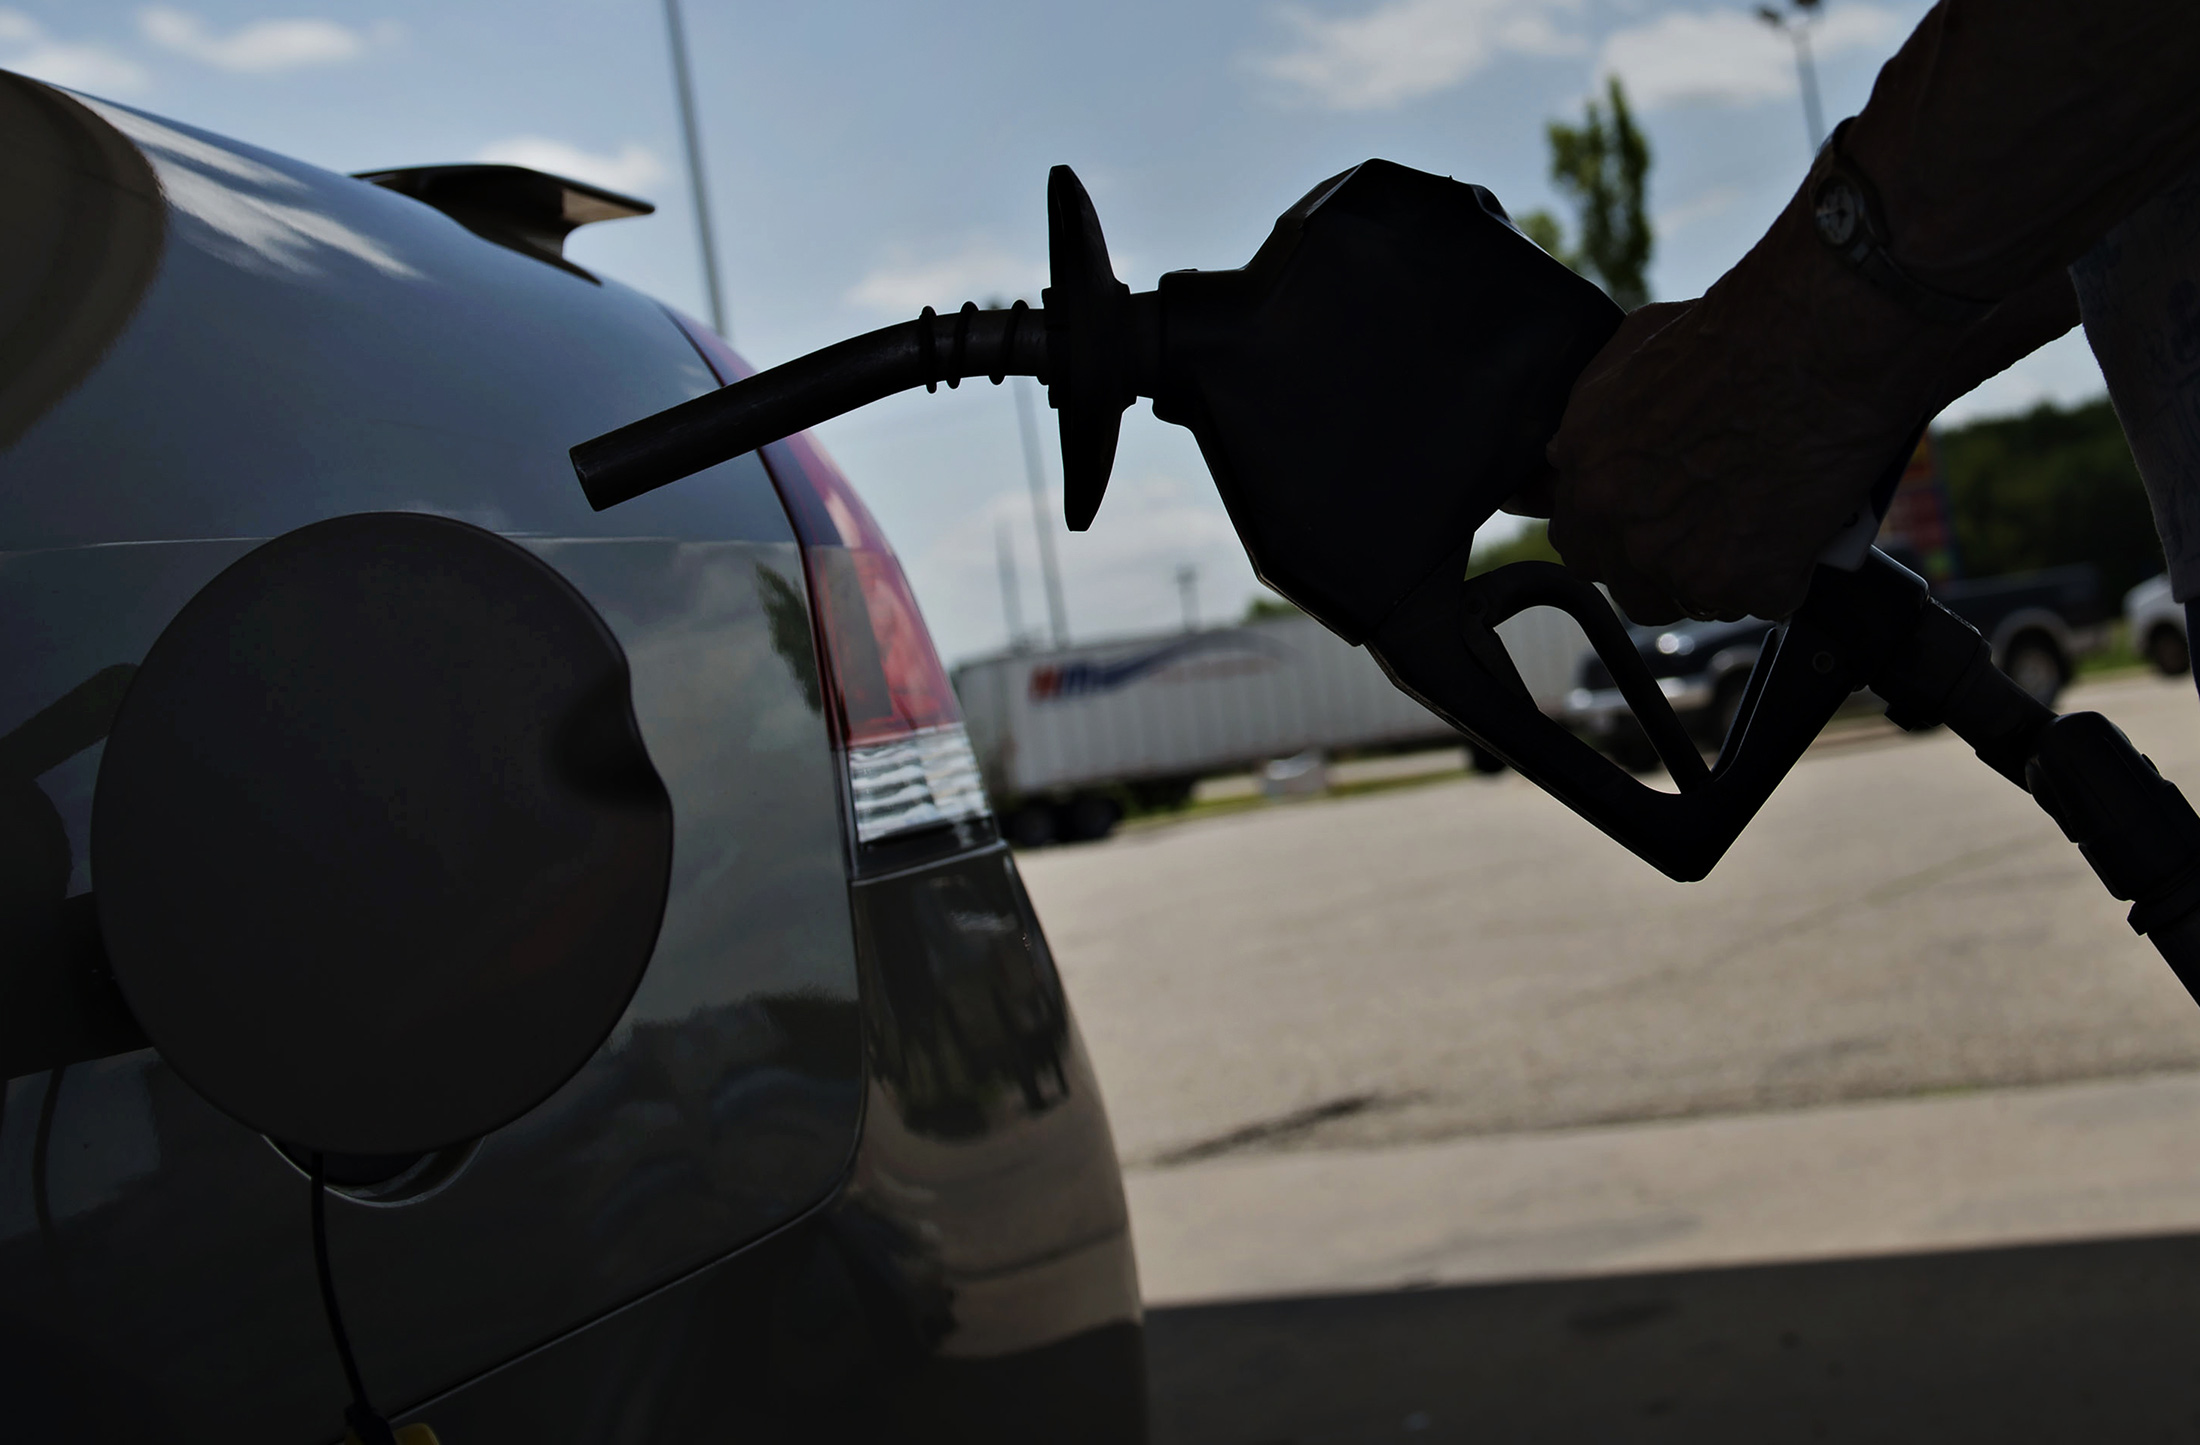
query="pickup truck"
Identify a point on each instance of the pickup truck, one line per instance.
(2154, 620)
(2039, 624)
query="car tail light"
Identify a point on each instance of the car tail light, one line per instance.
(909, 760)
(910, 764)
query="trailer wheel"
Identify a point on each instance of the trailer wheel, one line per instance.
(2168, 650)
(1087, 817)
(1160, 795)
(1030, 826)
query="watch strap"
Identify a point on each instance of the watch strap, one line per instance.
(1848, 220)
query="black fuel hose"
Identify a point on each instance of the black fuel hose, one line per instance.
(680, 442)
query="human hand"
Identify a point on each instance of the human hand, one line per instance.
(1713, 447)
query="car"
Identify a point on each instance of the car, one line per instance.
(2155, 622)
(286, 514)
(1701, 668)
(2038, 624)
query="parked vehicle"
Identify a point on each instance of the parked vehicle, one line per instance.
(1699, 666)
(2155, 623)
(1064, 737)
(2038, 623)
(840, 1170)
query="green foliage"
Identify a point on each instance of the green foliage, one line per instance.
(2117, 656)
(1262, 608)
(1603, 166)
(1532, 545)
(2054, 485)
(1544, 229)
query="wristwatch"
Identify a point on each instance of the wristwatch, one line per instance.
(1846, 214)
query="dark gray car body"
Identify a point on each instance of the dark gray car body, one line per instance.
(841, 1171)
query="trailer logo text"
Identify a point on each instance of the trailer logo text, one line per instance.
(1222, 653)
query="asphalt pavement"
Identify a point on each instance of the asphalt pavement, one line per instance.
(1468, 957)
(1408, 1081)
(2083, 1343)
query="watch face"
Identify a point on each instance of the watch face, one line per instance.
(1840, 212)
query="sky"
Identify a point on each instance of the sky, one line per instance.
(866, 158)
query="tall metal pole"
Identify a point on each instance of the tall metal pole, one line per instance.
(1797, 29)
(1187, 594)
(685, 85)
(1035, 470)
(1807, 72)
(1012, 601)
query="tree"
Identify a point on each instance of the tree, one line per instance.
(1603, 166)
(1543, 228)
(2051, 486)
(1264, 607)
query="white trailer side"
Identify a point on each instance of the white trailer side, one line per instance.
(1185, 705)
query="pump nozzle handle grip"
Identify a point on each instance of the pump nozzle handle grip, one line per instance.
(722, 424)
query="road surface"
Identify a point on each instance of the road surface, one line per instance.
(1353, 980)
(1448, 1119)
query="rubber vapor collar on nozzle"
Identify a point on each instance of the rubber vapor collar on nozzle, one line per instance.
(1081, 342)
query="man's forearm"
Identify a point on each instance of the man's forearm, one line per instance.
(1711, 449)
(2007, 135)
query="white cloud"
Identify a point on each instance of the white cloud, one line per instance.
(1730, 57)
(1700, 207)
(27, 49)
(261, 46)
(632, 168)
(980, 272)
(1406, 49)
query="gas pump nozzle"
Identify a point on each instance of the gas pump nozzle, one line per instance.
(1367, 391)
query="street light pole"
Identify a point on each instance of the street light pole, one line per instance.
(1797, 31)
(1187, 595)
(1012, 606)
(1806, 72)
(684, 84)
(1035, 471)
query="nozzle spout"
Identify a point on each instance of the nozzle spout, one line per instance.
(681, 441)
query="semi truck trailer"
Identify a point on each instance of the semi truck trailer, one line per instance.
(1066, 738)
